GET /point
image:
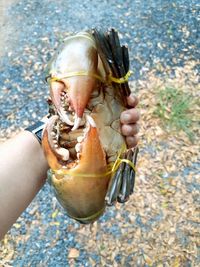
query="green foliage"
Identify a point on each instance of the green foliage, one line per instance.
(174, 108)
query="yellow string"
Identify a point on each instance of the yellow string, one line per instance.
(80, 35)
(118, 161)
(77, 73)
(94, 75)
(120, 80)
(112, 168)
(90, 218)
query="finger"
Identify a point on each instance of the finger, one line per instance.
(132, 141)
(132, 100)
(130, 116)
(130, 129)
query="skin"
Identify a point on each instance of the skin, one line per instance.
(23, 168)
(23, 173)
(129, 119)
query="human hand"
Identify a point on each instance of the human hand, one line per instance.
(129, 119)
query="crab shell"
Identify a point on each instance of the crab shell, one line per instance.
(81, 181)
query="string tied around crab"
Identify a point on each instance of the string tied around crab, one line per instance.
(110, 79)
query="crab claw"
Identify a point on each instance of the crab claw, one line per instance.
(56, 90)
(76, 67)
(79, 92)
(93, 158)
(81, 190)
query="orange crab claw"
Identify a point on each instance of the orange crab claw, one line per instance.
(74, 71)
(81, 190)
(93, 158)
(79, 92)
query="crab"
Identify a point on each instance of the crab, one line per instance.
(90, 165)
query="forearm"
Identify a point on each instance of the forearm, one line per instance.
(23, 169)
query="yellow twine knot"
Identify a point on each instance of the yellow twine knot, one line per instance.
(120, 80)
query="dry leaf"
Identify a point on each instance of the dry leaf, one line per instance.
(73, 253)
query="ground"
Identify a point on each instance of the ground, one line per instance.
(159, 225)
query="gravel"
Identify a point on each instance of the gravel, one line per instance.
(161, 35)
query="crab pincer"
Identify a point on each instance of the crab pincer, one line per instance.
(73, 77)
(81, 185)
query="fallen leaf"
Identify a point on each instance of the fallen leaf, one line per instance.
(73, 253)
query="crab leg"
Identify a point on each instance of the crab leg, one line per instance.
(125, 187)
(126, 182)
(114, 186)
(132, 174)
(122, 183)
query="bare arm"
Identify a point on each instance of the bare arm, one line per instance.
(23, 169)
